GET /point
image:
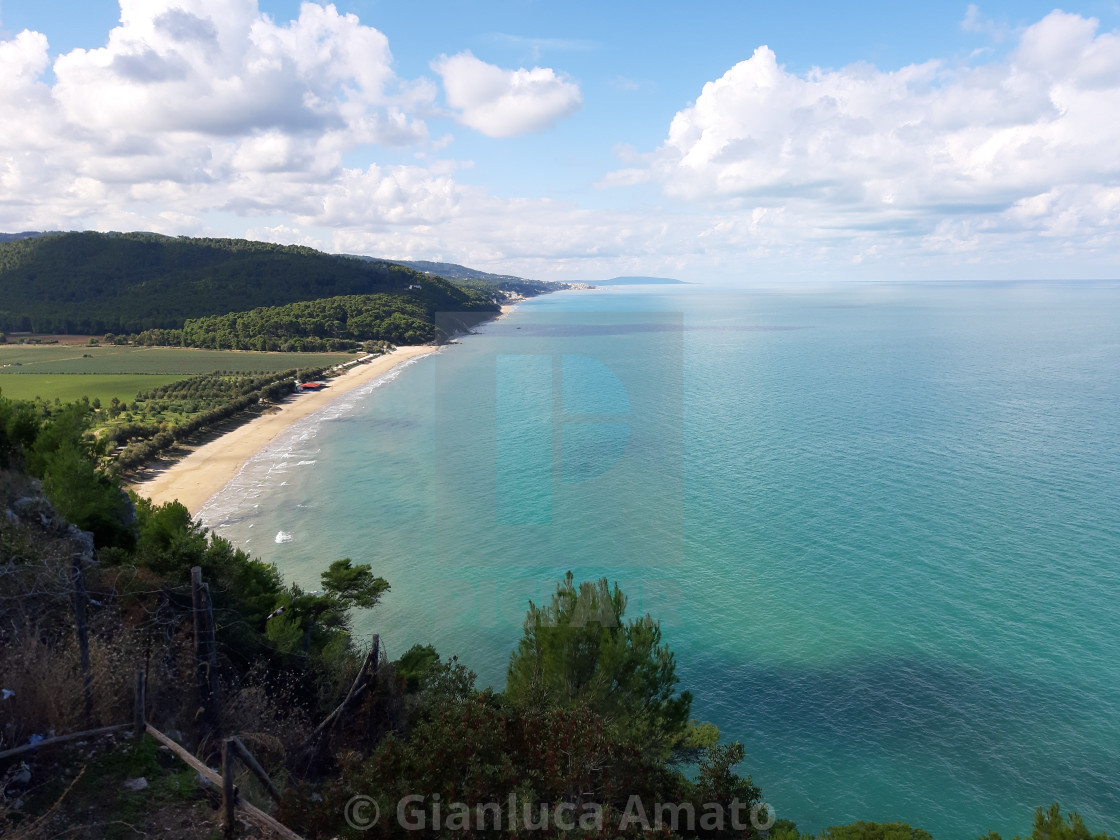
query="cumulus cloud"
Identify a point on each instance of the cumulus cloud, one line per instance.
(195, 101)
(220, 68)
(505, 103)
(935, 149)
(200, 109)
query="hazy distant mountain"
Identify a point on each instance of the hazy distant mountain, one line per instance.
(638, 281)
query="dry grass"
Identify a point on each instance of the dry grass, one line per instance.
(268, 716)
(47, 691)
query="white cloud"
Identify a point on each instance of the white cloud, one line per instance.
(22, 61)
(219, 68)
(950, 153)
(194, 102)
(505, 103)
(195, 109)
(401, 195)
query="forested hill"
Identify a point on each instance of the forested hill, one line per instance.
(453, 271)
(92, 283)
(475, 279)
(336, 323)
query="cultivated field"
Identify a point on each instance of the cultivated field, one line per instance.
(72, 372)
(25, 359)
(70, 387)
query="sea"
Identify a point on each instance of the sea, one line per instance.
(878, 522)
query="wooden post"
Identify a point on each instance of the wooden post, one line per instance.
(229, 792)
(212, 663)
(252, 812)
(80, 599)
(139, 721)
(253, 765)
(206, 655)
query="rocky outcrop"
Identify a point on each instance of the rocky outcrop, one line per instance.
(25, 510)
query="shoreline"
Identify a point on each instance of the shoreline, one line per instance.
(194, 479)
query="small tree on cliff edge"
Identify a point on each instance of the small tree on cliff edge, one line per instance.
(579, 650)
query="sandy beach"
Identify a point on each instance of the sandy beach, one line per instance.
(206, 470)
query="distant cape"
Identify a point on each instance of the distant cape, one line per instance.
(638, 281)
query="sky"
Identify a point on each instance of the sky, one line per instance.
(717, 141)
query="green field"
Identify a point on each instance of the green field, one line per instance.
(72, 387)
(22, 359)
(70, 373)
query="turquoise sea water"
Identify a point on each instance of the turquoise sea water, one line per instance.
(879, 523)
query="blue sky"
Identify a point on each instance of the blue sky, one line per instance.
(580, 140)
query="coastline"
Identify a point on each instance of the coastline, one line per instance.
(193, 480)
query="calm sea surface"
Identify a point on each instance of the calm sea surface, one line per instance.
(880, 523)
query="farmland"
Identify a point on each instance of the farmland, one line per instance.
(19, 359)
(70, 387)
(70, 373)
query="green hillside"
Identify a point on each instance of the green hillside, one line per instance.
(325, 324)
(94, 283)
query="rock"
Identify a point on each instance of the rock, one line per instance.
(30, 508)
(25, 505)
(136, 784)
(82, 540)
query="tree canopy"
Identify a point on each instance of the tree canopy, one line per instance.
(578, 650)
(94, 283)
(1049, 825)
(334, 323)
